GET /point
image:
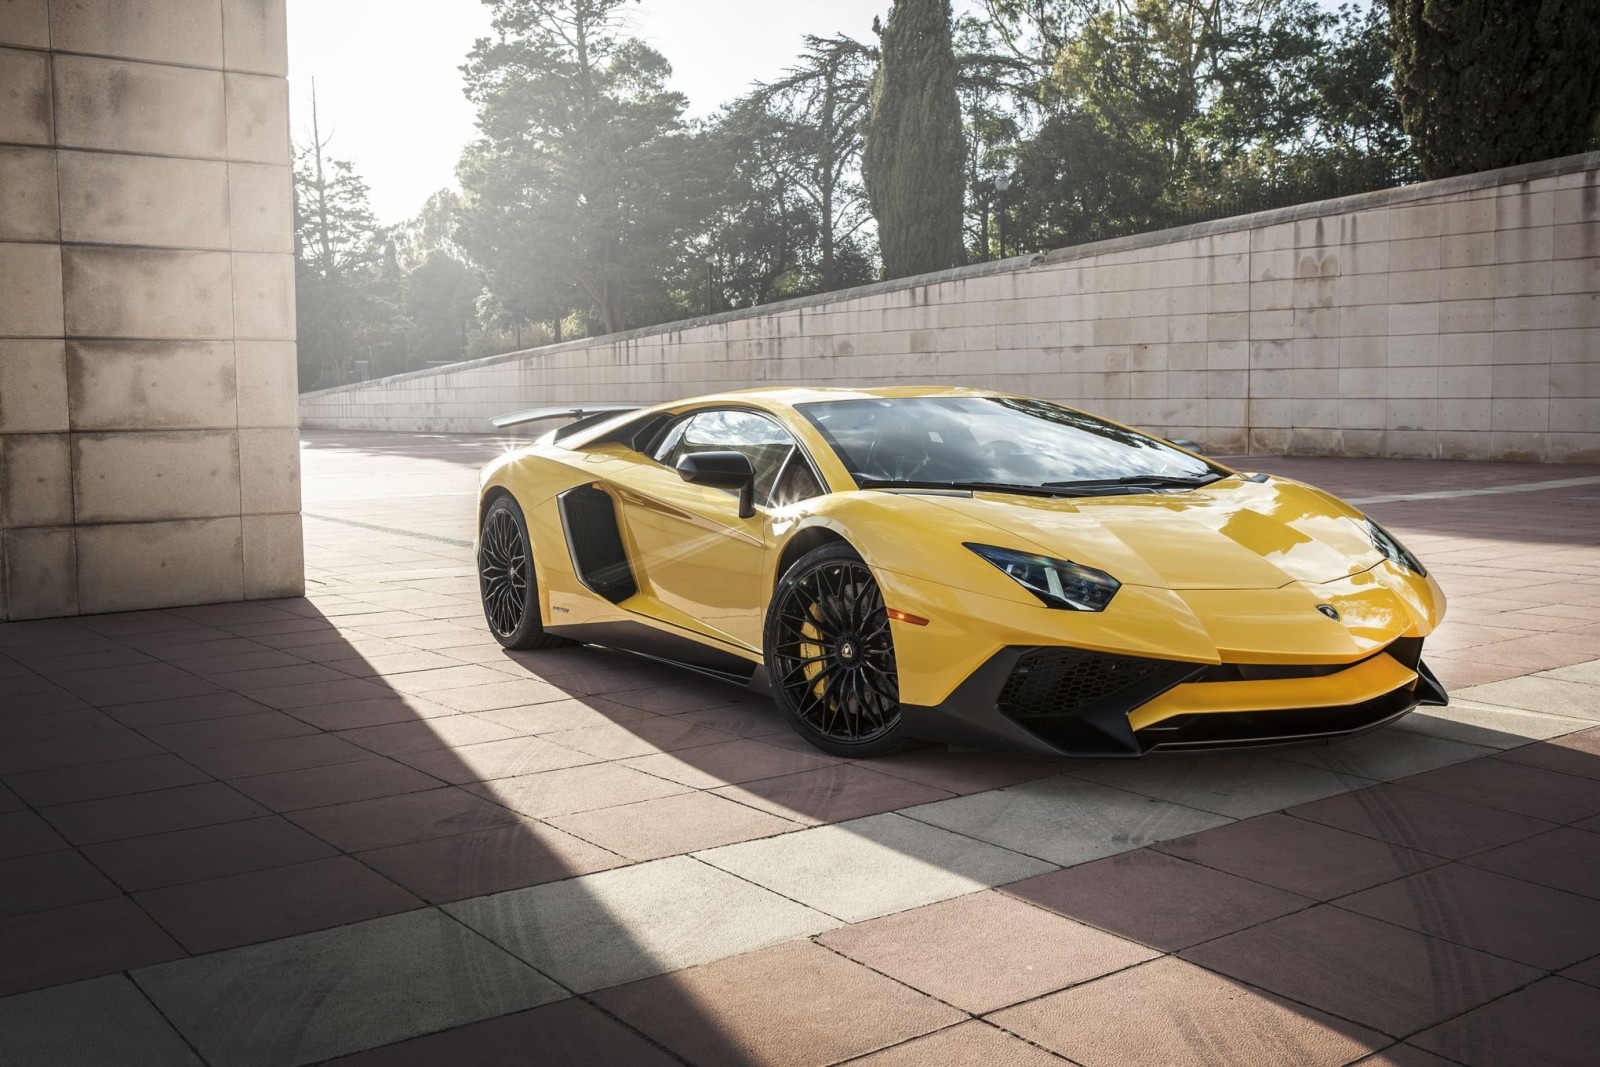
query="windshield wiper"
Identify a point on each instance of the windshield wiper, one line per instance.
(966, 487)
(1143, 481)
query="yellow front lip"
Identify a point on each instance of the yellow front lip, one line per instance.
(1365, 681)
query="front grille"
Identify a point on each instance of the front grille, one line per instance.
(1060, 681)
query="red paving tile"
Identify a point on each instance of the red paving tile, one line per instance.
(568, 1032)
(499, 693)
(91, 821)
(70, 943)
(1587, 972)
(794, 1005)
(832, 794)
(1297, 855)
(1566, 859)
(1371, 972)
(95, 781)
(509, 758)
(319, 787)
(206, 852)
(1531, 924)
(49, 880)
(670, 826)
(1552, 1023)
(575, 789)
(488, 861)
(962, 772)
(395, 820)
(1421, 820)
(728, 762)
(231, 730)
(639, 738)
(1156, 899)
(963, 1045)
(1530, 791)
(1576, 754)
(1170, 1012)
(185, 709)
(401, 737)
(267, 757)
(73, 751)
(984, 951)
(22, 833)
(279, 902)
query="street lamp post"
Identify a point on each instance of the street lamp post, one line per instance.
(1001, 184)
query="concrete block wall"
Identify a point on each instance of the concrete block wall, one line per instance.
(148, 450)
(1452, 319)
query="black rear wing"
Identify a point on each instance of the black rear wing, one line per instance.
(582, 417)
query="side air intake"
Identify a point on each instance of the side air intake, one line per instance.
(589, 516)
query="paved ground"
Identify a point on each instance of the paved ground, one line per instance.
(349, 825)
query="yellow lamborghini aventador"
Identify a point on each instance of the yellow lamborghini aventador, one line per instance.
(957, 565)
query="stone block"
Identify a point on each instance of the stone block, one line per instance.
(25, 116)
(1411, 382)
(114, 199)
(274, 557)
(269, 471)
(30, 298)
(151, 385)
(1363, 442)
(1411, 413)
(1524, 246)
(262, 208)
(28, 195)
(1577, 240)
(1518, 209)
(40, 577)
(187, 32)
(1574, 448)
(1575, 416)
(1413, 350)
(1576, 381)
(1463, 444)
(1466, 249)
(35, 480)
(1467, 216)
(1575, 276)
(1363, 383)
(138, 477)
(1466, 381)
(33, 387)
(1411, 287)
(1421, 220)
(1468, 283)
(258, 119)
(1316, 412)
(1464, 415)
(268, 388)
(1522, 279)
(25, 23)
(125, 567)
(1418, 253)
(1519, 446)
(139, 107)
(1519, 415)
(1414, 318)
(263, 296)
(1466, 316)
(148, 293)
(1521, 380)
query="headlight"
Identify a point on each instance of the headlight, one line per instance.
(1393, 550)
(1059, 583)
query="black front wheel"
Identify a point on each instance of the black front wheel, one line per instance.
(830, 655)
(506, 579)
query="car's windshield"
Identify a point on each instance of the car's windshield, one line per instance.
(995, 440)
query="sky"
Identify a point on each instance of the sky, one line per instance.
(388, 81)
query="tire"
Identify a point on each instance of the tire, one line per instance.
(506, 581)
(830, 655)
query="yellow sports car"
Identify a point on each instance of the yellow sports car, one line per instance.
(960, 566)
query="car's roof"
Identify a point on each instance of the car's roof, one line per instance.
(796, 394)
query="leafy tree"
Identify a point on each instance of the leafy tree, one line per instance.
(586, 184)
(998, 108)
(345, 299)
(1493, 83)
(912, 160)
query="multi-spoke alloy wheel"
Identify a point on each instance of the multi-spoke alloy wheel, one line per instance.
(506, 580)
(830, 655)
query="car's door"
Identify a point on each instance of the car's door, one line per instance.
(693, 552)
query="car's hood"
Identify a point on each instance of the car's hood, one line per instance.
(1233, 534)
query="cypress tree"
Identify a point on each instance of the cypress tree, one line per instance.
(913, 160)
(1493, 83)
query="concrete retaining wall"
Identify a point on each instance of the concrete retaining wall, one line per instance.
(1452, 319)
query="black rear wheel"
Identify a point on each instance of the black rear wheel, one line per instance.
(506, 579)
(830, 655)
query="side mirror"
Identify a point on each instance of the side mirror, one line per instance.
(722, 470)
(1187, 445)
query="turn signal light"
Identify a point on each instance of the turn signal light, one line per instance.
(906, 616)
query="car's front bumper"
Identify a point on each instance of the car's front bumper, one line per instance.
(1058, 701)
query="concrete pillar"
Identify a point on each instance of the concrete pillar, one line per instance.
(148, 450)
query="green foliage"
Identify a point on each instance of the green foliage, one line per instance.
(913, 160)
(1494, 83)
(586, 186)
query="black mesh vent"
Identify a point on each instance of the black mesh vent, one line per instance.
(597, 553)
(1050, 682)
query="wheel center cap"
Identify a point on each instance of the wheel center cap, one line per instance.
(847, 651)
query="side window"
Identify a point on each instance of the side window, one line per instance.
(781, 471)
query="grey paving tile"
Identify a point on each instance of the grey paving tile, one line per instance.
(874, 866)
(1489, 725)
(1540, 692)
(1588, 673)
(1066, 820)
(1237, 786)
(617, 926)
(104, 1022)
(1386, 755)
(375, 982)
